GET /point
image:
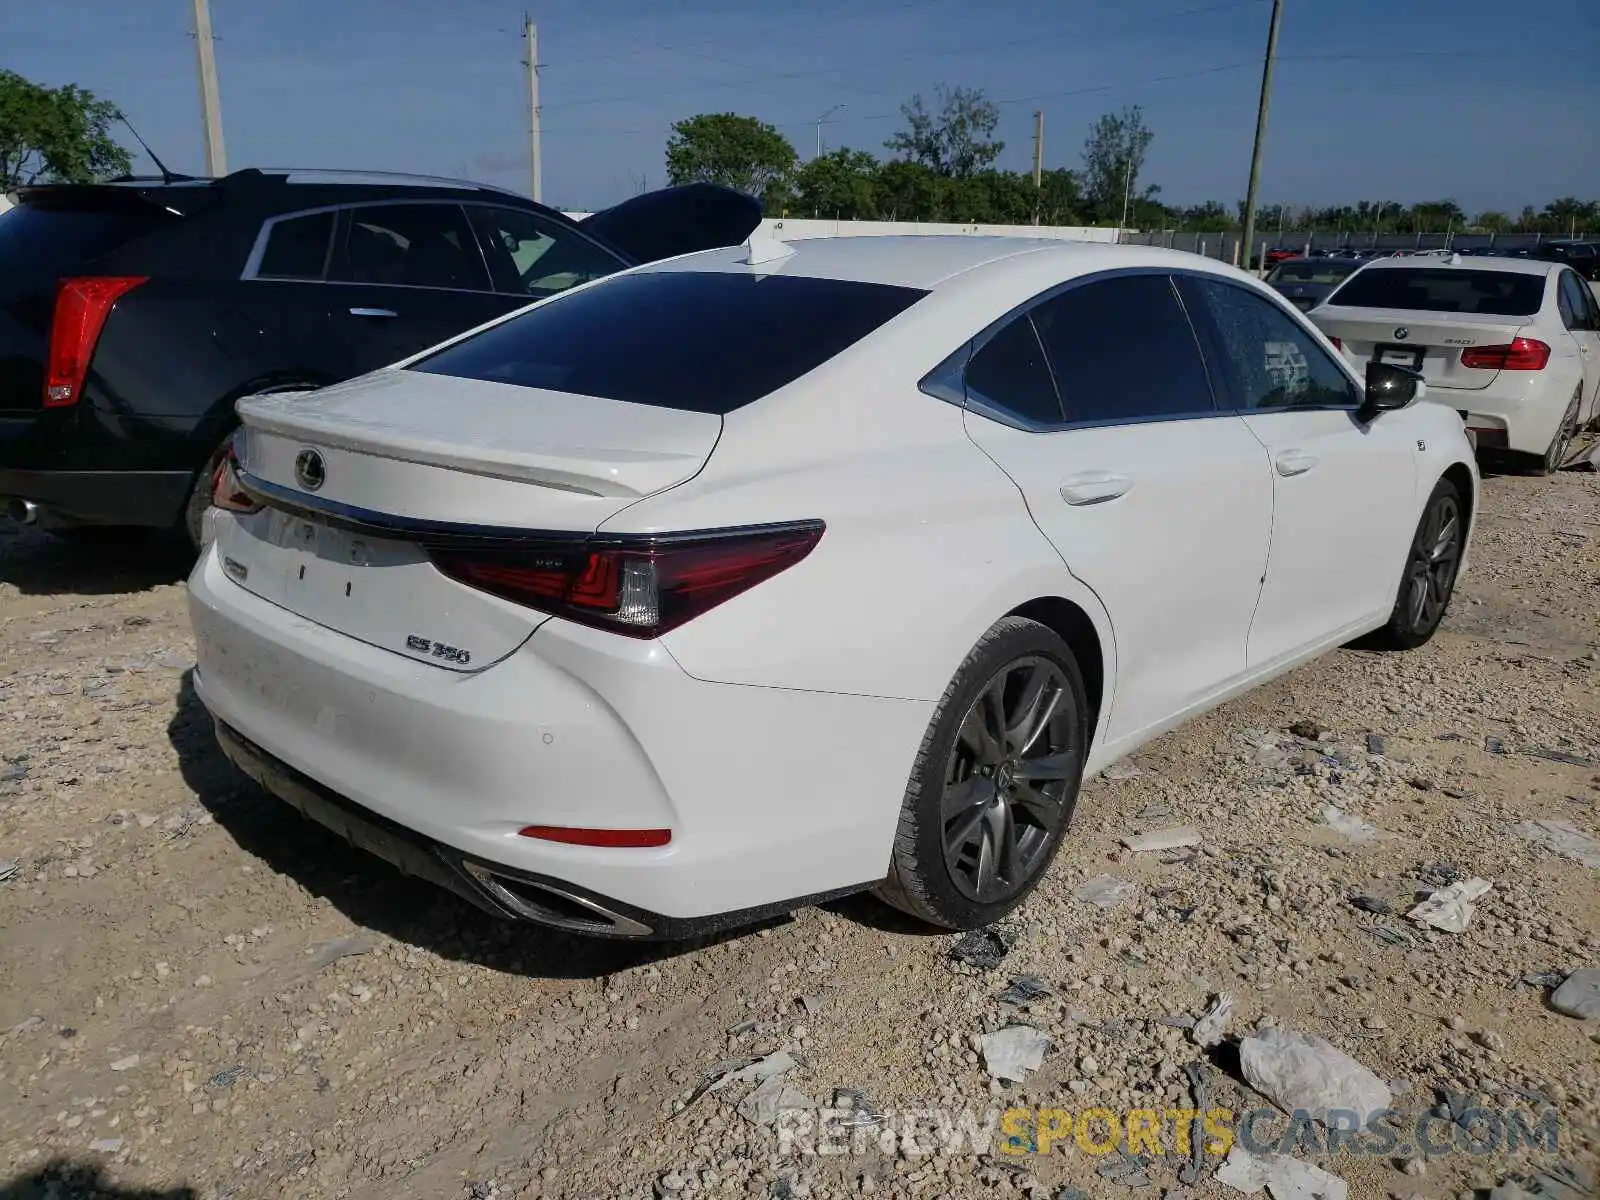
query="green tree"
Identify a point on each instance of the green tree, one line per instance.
(1060, 197)
(909, 191)
(1210, 217)
(52, 135)
(1569, 215)
(1493, 222)
(1113, 156)
(957, 141)
(734, 151)
(842, 184)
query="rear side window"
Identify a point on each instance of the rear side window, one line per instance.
(1443, 289)
(1010, 373)
(708, 341)
(1123, 350)
(40, 245)
(297, 248)
(412, 245)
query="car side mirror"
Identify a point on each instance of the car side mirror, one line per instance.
(1389, 388)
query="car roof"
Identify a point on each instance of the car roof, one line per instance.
(1469, 262)
(928, 261)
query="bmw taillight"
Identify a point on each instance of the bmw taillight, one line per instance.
(1522, 354)
(82, 305)
(226, 492)
(638, 586)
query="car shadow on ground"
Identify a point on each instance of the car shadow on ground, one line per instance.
(375, 895)
(64, 1179)
(91, 562)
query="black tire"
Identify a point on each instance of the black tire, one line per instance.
(1566, 433)
(1431, 564)
(1030, 788)
(194, 509)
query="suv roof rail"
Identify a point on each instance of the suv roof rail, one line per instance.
(371, 178)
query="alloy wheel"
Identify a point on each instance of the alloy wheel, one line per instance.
(1557, 454)
(1008, 778)
(1435, 556)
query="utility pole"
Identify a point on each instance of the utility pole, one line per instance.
(1038, 160)
(210, 94)
(1127, 190)
(1261, 131)
(821, 120)
(530, 34)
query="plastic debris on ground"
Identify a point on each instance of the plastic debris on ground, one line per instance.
(1104, 891)
(1213, 1023)
(1451, 908)
(1011, 1053)
(1373, 905)
(772, 1097)
(1121, 770)
(1025, 989)
(984, 948)
(1125, 1170)
(1301, 1071)
(1564, 838)
(1282, 1177)
(1579, 994)
(345, 947)
(1346, 826)
(1561, 756)
(762, 1069)
(8, 868)
(1163, 839)
(862, 1115)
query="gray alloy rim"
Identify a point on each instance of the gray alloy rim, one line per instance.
(1005, 785)
(1564, 438)
(1434, 558)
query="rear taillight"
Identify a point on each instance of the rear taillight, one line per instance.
(1337, 344)
(639, 587)
(82, 305)
(226, 492)
(1523, 354)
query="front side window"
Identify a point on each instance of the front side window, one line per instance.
(1122, 349)
(411, 245)
(1009, 373)
(1271, 361)
(297, 247)
(529, 255)
(1571, 301)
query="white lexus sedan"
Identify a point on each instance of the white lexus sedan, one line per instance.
(1512, 343)
(765, 575)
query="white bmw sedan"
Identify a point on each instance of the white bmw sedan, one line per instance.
(770, 574)
(1512, 343)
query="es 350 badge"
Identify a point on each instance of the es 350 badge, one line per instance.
(424, 645)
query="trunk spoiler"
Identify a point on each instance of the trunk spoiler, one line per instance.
(676, 220)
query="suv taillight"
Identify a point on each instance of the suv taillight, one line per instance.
(1523, 354)
(82, 305)
(641, 587)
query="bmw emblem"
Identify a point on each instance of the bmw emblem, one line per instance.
(310, 472)
(1401, 334)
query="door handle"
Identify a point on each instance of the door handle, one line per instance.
(373, 312)
(1295, 462)
(1094, 487)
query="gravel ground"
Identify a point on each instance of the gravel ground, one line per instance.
(203, 995)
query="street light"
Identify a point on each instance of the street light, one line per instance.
(823, 118)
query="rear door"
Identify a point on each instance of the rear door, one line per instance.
(405, 276)
(1581, 316)
(1155, 500)
(1344, 493)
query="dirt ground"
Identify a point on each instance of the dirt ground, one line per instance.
(203, 995)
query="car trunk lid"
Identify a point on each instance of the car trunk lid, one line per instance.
(677, 220)
(1428, 342)
(362, 478)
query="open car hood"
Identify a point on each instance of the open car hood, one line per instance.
(677, 220)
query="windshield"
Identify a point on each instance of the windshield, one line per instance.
(1320, 271)
(1443, 289)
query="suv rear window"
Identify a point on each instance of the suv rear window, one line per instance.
(1443, 289)
(708, 341)
(40, 245)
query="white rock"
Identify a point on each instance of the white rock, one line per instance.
(1213, 1023)
(126, 1064)
(1282, 1177)
(1163, 839)
(1301, 1071)
(1011, 1053)
(1346, 826)
(1104, 891)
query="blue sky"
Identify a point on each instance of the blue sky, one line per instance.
(1373, 99)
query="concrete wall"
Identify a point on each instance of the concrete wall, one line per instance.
(799, 228)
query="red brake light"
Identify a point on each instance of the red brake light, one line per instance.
(225, 490)
(82, 305)
(639, 587)
(1523, 354)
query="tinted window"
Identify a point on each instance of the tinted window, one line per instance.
(297, 248)
(531, 256)
(40, 245)
(1569, 302)
(1272, 362)
(1010, 373)
(1310, 272)
(417, 245)
(701, 341)
(1443, 289)
(1122, 349)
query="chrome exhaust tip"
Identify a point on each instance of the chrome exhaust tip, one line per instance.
(23, 512)
(552, 906)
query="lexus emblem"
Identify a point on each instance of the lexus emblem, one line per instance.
(1401, 334)
(310, 472)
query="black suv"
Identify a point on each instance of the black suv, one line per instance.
(134, 314)
(1582, 257)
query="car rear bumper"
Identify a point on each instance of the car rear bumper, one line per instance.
(1522, 417)
(773, 797)
(140, 498)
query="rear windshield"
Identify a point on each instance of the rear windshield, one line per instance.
(708, 341)
(40, 245)
(1311, 272)
(1443, 289)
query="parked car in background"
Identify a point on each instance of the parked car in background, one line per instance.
(1306, 282)
(1582, 257)
(134, 314)
(567, 614)
(1512, 344)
